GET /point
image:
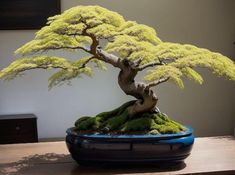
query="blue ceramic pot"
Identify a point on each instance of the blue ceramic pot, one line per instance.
(97, 148)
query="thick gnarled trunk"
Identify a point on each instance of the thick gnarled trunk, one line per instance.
(146, 99)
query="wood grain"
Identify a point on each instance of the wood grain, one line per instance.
(210, 155)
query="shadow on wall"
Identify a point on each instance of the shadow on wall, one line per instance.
(63, 164)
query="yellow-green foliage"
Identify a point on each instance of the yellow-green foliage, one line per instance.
(68, 74)
(68, 70)
(44, 62)
(73, 31)
(182, 59)
(66, 30)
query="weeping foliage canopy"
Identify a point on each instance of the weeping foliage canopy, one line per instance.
(75, 29)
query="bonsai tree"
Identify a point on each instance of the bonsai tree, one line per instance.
(107, 38)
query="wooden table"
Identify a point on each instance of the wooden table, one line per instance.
(211, 155)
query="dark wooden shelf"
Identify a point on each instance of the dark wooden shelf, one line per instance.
(18, 128)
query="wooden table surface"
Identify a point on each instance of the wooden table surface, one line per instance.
(210, 155)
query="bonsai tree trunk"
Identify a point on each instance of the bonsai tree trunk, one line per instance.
(146, 99)
(117, 120)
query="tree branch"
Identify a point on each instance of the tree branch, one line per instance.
(94, 48)
(138, 61)
(109, 58)
(87, 61)
(94, 44)
(134, 64)
(155, 83)
(149, 65)
(67, 47)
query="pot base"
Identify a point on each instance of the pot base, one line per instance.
(91, 149)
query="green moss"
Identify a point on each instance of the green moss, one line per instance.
(115, 112)
(165, 125)
(168, 129)
(181, 127)
(139, 124)
(159, 120)
(82, 119)
(163, 116)
(85, 124)
(88, 123)
(117, 121)
(112, 119)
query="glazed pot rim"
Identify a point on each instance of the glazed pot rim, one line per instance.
(189, 131)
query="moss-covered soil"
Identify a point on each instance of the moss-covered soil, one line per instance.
(118, 122)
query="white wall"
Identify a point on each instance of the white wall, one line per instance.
(208, 108)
